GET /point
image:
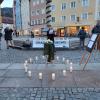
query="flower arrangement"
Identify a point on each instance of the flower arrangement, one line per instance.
(49, 41)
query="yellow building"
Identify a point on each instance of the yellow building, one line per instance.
(70, 15)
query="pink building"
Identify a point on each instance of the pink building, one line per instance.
(37, 16)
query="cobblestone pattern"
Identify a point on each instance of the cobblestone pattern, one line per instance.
(19, 56)
(49, 93)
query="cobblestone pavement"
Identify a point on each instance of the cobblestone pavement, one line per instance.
(19, 56)
(49, 94)
(43, 93)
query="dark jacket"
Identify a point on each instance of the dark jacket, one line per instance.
(0, 36)
(82, 34)
(96, 29)
(8, 34)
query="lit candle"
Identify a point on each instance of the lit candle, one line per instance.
(26, 61)
(71, 67)
(26, 69)
(57, 57)
(67, 61)
(36, 58)
(40, 76)
(64, 72)
(30, 60)
(53, 76)
(29, 73)
(43, 57)
(63, 59)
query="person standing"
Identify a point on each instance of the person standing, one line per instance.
(96, 30)
(50, 34)
(8, 36)
(0, 39)
(82, 35)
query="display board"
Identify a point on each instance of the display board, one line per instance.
(92, 42)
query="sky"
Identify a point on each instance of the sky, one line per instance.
(7, 3)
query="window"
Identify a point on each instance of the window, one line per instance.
(43, 11)
(42, 1)
(44, 21)
(85, 3)
(33, 13)
(73, 4)
(73, 18)
(63, 18)
(85, 16)
(53, 7)
(63, 6)
(98, 15)
(37, 2)
(53, 19)
(38, 12)
(33, 22)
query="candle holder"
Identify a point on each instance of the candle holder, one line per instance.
(29, 74)
(30, 60)
(71, 67)
(36, 59)
(63, 60)
(40, 76)
(64, 72)
(57, 58)
(26, 69)
(53, 76)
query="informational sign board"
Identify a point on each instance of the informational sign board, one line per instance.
(59, 43)
(92, 42)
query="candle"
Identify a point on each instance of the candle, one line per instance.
(64, 72)
(71, 67)
(63, 59)
(29, 73)
(43, 57)
(26, 61)
(40, 76)
(25, 64)
(67, 61)
(30, 60)
(53, 76)
(57, 57)
(36, 58)
(26, 69)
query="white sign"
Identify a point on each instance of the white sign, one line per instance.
(59, 43)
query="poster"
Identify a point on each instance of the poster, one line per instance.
(94, 37)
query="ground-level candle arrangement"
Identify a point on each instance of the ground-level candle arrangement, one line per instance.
(53, 75)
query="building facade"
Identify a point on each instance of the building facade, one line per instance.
(70, 15)
(21, 16)
(38, 16)
(0, 15)
(18, 19)
(65, 16)
(25, 16)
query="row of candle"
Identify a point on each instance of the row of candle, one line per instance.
(41, 74)
(44, 58)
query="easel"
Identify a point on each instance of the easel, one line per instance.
(89, 50)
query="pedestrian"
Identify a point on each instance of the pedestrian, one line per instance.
(82, 35)
(0, 39)
(96, 30)
(8, 37)
(32, 34)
